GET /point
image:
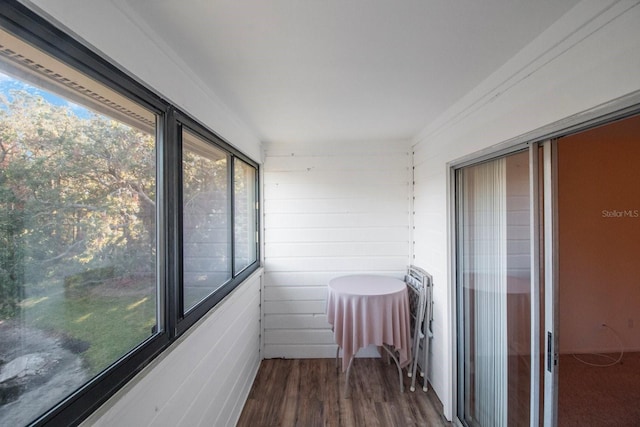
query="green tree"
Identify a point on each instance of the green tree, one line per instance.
(76, 193)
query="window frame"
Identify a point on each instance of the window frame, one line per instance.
(234, 160)
(27, 25)
(186, 320)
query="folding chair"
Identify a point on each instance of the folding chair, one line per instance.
(419, 284)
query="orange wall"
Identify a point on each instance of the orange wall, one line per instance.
(599, 238)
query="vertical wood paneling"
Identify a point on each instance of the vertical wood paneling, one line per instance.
(204, 378)
(329, 210)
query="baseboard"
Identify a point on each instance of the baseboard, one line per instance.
(599, 350)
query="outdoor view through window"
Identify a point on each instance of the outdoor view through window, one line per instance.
(78, 286)
(207, 250)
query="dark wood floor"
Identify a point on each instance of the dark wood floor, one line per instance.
(310, 392)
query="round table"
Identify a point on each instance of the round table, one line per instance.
(367, 310)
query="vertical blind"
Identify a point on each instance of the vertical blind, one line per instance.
(482, 216)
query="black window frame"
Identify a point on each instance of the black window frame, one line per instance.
(27, 25)
(186, 320)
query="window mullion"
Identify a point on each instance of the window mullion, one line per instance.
(170, 179)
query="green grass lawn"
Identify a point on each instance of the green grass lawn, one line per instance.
(101, 328)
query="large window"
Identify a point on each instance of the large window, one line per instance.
(97, 275)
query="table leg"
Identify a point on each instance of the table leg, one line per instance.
(347, 391)
(395, 359)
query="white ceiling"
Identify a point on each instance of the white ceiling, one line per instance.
(305, 71)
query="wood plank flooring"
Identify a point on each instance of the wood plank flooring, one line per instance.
(310, 392)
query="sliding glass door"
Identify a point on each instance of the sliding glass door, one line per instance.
(494, 282)
(535, 231)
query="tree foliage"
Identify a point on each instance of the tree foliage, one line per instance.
(76, 192)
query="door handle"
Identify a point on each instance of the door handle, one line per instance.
(549, 350)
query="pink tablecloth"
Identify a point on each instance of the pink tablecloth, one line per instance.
(369, 310)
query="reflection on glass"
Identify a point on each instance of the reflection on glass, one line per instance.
(77, 230)
(205, 210)
(494, 285)
(245, 215)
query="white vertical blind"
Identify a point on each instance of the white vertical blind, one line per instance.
(484, 262)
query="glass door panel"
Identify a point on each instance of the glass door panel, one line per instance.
(494, 291)
(598, 294)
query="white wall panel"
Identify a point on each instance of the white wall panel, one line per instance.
(355, 205)
(293, 307)
(276, 293)
(287, 278)
(336, 191)
(343, 265)
(302, 321)
(330, 210)
(297, 336)
(329, 220)
(343, 249)
(588, 59)
(340, 158)
(300, 351)
(336, 234)
(204, 378)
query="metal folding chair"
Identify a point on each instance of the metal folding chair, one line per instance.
(420, 284)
